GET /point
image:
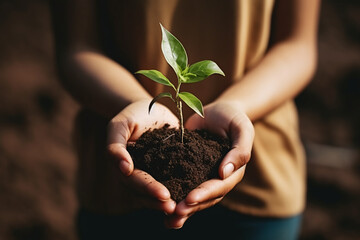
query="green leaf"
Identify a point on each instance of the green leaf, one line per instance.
(193, 102)
(201, 70)
(161, 95)
(156, 76)
(173, 51)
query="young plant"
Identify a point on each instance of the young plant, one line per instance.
(176, 57)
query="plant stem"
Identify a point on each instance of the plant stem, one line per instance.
(179, 109)
(181, 122)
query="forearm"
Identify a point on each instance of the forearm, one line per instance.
(99, 83)
(92, 78)
(284, 71)
(289, 64)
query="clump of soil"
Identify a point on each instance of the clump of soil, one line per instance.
(181, 167)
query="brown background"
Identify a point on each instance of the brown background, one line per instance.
(37, 162)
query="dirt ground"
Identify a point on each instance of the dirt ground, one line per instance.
(37, 162)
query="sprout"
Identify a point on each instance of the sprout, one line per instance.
(176, 57)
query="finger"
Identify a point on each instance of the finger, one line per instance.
(242, 136)
(149, 192)
(120, 130)
(183, 212)
(118, 135)
(119, 153)
(213, 189)
(146, 185)
(153, 194)
(205, 196)
(184, 209)
(175, 222)
(168, 207)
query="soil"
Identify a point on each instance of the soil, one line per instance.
(181, 167)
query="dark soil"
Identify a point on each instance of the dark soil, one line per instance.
(181, 167)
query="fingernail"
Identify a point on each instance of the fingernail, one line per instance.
(176, 228)
(192, 204)
(228, 169)
(124, 167)
(166, 198)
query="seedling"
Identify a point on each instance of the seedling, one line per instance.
(176, 57)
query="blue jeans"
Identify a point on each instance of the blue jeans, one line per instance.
(208, 224)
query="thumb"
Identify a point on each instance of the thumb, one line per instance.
(119, 153)
(233, 160)
(118, 136)
(242, 137)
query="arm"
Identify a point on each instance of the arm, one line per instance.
(105, 87)
(283, 72)
(287, 67)
(92, 78)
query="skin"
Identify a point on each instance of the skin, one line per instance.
(284, 71)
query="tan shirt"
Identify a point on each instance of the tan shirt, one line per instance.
(234, 34)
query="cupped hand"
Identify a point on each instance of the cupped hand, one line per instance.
(226, 119)
(128, 126)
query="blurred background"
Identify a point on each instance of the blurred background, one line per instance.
(37, 162)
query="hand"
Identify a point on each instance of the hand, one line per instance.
(226, 119)
(128, 126)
